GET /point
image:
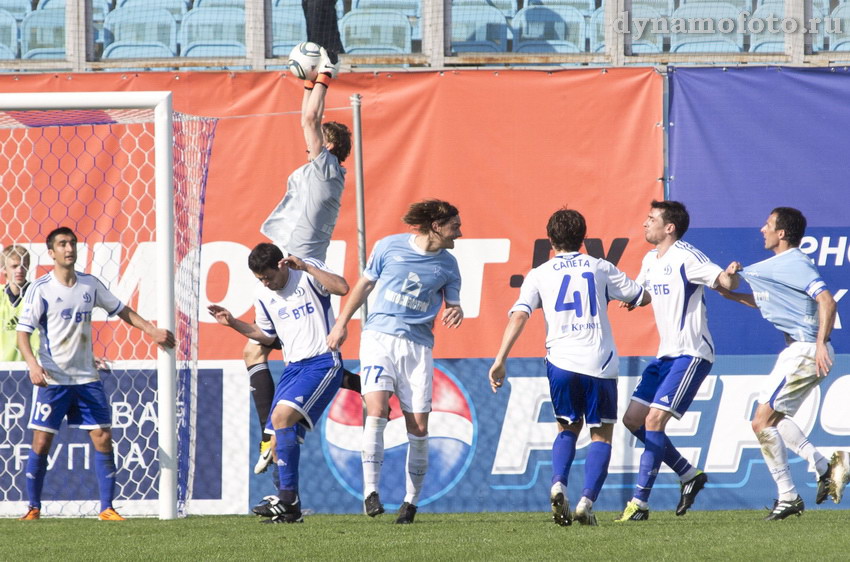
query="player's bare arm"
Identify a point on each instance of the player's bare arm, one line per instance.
(729, 278)
(313, 107)
(38, 376)
(452, 316)
(252, 331)
(498, 372)
(339, 332)
(160, 336)
(335, 284)
(826, 320)
(743, 298)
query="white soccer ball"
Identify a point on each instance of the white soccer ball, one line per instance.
(304, 60)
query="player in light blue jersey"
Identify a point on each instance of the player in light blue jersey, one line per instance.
(790, 294)
(413, 275)
(292, 304)
(67, 382)
(573, 290)
(676, 274)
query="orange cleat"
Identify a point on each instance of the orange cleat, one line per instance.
(33, 513)
(110, 514)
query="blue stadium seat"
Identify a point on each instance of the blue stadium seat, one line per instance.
(288, 29)
(136, 50)
(9, 33)
(178, 8)
(714, 11)
(536, 26)
(767, 42)
(507, 7)
(375, 32)
(99, 10)
(478, 29)
(296, 4)
(586, 7)
(6, 53)
(43, 34)
(143, 26)
(219, 4)
(410, 8)
(18, 8)
(204, 28)
(840, 14)
(701, 45)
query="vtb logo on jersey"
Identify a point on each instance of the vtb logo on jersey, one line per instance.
(412, 285)
(453, 433)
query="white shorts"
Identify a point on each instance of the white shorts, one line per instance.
(397, 365)
(793, 377)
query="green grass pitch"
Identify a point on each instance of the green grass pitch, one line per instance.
(700, 535)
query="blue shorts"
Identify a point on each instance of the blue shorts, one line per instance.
(670, 383)
(309, 386)
(576, 396)
(85, 405)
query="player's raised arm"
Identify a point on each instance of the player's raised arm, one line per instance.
(335, 284)
(313, 105)
(160, 336)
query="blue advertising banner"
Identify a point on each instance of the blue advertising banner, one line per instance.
(492, 452)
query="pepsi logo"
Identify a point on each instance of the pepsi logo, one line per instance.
(452, 430)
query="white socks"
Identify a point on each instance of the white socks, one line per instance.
(372, 453)
(776, 458)
(799, 443)
(417, 466)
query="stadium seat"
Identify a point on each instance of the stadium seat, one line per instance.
(410, 8)
(137, 50)
(296, 4)
(43, 34)
(741, 5)
(768, 46)
(507, 7)
(840, 14)
(18, 8)
(204, 28)
(664, 7)
(375, 32)
(596, 30)
(535, 26)
(142, 26)
(586, 7)
(9, 33)
(841, 46)
(6, 53)
(714, 11)
(219, 4)
(99, 10)
(478, 29)
(699, 45)
(288, 29)
(649, 41)
(178, 8)
(766, 42)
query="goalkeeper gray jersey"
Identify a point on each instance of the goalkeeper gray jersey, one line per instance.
(303, 222)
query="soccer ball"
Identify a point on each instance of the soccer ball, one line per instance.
(304, 60)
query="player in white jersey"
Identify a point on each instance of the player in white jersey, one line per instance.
(304, 220)
(413, 274)
(676, 274)
(790, 294)
(573, 290)
(293, 304)
(67, 383)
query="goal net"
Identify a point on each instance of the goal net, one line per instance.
(128, 176)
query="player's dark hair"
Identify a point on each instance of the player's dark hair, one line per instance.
(340, 136)
(675, 213)
(423, 214)
(264, 256)
(57, 232)
(792, 222)
(566, 230)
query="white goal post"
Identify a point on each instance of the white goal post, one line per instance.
(161, 105)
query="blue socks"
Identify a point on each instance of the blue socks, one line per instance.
(596, 468)
(35, 471)
(288, 454)
(672, 457)
(104, 469)
(650, 462)
(563, 453)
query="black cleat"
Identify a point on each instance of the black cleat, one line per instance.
(786, 508)
(294, 517)
(689, 492)
(273, 507)
(372, 505)
(406, 513)
(824, 482)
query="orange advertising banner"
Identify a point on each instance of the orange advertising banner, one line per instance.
(506, 147)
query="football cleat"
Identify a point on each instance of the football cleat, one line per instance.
(839, 470)
(633, 512)
(265, 458)
(406, 513)
(294, 517)
(110, 514)
(786, 508)
(824, 484)
(584, 515)
(560, 505)
(689, 491)
(273, 507)
(32, 514)
(372, 505)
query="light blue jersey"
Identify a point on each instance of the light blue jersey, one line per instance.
(411, 287)
(785, 287)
